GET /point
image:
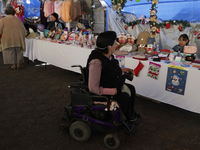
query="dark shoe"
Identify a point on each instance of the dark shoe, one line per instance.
(135, 119)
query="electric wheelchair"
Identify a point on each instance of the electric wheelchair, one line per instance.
(87, 111)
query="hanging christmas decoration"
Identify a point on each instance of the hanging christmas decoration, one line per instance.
(196, 31)
(168, 25)
(125, 26)
(153, 31)
(13, 3)
(121, 2)
(153, 18)
(143, 19)
(158, 30)
(117, 7)
(132, 26)
(180, 27)
(19, 12)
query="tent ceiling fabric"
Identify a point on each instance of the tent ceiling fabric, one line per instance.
(172, 9)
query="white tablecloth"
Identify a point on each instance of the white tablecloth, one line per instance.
(64, 56)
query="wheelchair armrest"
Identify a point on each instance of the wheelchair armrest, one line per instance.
(78, 85)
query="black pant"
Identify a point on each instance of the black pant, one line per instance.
(126, 103)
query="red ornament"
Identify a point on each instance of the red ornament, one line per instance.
(158, 30)
(180, 27)
(143, 21)
(198, 37)
(132, 26)
(125, 26)
(167, 25)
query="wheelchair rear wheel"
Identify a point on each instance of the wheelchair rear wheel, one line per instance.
(111, 141)
(80, 131)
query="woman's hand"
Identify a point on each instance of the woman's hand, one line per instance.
(130, 70)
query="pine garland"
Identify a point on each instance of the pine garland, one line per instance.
(122, 2)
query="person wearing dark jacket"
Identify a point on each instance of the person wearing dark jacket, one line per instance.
(55, 22)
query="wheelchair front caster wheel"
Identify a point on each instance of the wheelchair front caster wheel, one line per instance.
(80, 131)
(111, 141)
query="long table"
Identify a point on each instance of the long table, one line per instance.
(64, 56)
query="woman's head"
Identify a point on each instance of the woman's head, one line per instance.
(106, 41)
(183, 40)
(54, 17)
(9, 11)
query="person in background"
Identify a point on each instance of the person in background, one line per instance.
(12, 33)
(183, 41)
(55, 22)
(105, 76)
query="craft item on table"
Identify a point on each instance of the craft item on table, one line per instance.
(127, 48)
(130, 39)
(153, 71)
(80, 40)
(89, 41)
(140, 57)
(167, 61)
(176, 79)
(46, 32)
(184, 65)
(57, 34)
(177, 63)
(164, 53)
(121, 60)
(171, 56)
(122, 39)
(84, 39)
(138, 68)
(196, 63)
(190, 50)
(64, 36)
(143, 37)
(141, 48)
(150, 49)
(72, 35)
(51, 33)
(178, 57)
(155, 56)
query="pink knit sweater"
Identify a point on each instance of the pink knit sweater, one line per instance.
(95, 67)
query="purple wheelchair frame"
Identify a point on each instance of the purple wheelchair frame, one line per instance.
(78, 115)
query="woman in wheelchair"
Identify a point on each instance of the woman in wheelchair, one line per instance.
(105, 77)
